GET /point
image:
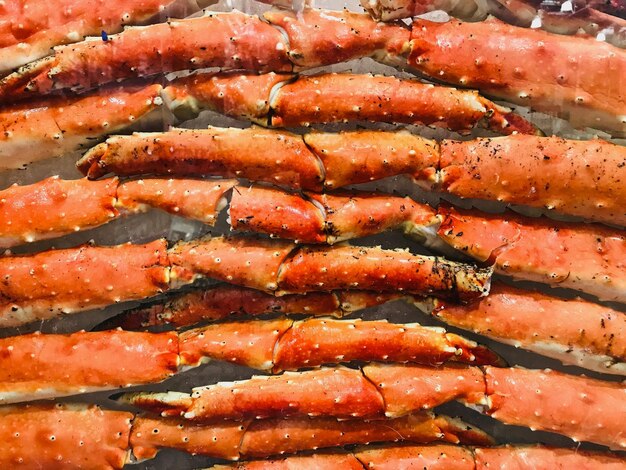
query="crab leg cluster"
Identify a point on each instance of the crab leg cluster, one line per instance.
(95, 277)
(40, 366)
(514, 396)
(489, 56)
(583, 257)
(578, 256)
(283, 100)
(90, 437)
(575, 331)
(59, 125)
(542, 400)
(579, 178)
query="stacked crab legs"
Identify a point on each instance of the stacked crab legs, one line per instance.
(86, 437)
(579, 178)
(377, 391)
(573, 331)
(539, 399)
(496, 58)
(584, 257)
(331, 218)
(52, 127)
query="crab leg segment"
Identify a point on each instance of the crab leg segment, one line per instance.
(46, 284)
(45, 366)
(241, 261)
(40, 366)
(512, 456)
(236, 41)
(347, 267)
(256, 154)
(514, 396)
(324, 37)
(28, 30)
(194, 199)
(55, 207)
(58, 125)
(244, 96)
(588, 258)
(364, 156)
(580, 178)
(525, 397)
(574, 331)
(379, 99)
(66, 435)
(575, 77)
(441, 457)
(326, 218)
(278, 213)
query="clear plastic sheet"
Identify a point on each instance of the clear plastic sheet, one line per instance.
(156, 224)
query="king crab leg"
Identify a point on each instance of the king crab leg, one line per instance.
(237, 41)
(55, 207)
(575, 255)
(92, 277)
(284, 101)
(502, 61)
(583, 257)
